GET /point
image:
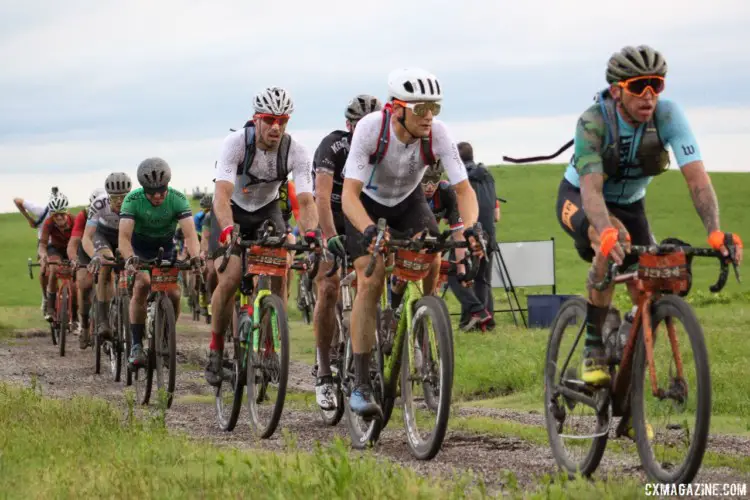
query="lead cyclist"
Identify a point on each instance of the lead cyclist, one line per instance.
(391, 190)
(619, 148)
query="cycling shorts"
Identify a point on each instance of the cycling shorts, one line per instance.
(148, 248)
(105, 241)
(249, 223)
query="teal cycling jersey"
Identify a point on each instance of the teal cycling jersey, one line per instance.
(630, 185)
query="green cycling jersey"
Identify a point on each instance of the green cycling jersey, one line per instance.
(152, 221)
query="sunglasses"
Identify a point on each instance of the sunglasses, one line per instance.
(273, 119)
(153, 191)
(118, 198)
(421, 108)
(429, 185)
(637, 86)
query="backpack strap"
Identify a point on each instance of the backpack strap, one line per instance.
(428, 156)
(249, 150)
(282, 166)
(607, 107)
(383, 138)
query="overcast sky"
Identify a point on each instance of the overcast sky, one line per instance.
(87, 87)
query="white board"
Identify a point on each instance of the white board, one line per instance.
(529, 263)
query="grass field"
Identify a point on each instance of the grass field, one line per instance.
(503, 369)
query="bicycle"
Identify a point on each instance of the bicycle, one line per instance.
(161, 349)
(262, 324)
(118, 347)
(61, 323)
(662, 276)
(426, 326)
(305, 291)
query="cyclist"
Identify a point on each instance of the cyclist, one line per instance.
(53, 244)
(36, 215)
(619, 148)
(149, 217)
(328, 165)
(202, 228)
(253, 164)
(382, 181)
(77, 255)
(100, 242)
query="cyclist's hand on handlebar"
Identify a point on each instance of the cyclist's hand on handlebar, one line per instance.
(131, 265)
(475, 236)
(44, 261)
(314, 238)
(95, 264)
(336, 246)
(198, 264)
(611, 246)
(718, 241)
(370, 235)
(225, 235)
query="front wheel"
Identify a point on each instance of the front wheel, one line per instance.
(64, 322)
(679, 365)
(268, 367)
(427, 367)
(230, 391)
(363, 432)
(165, 354)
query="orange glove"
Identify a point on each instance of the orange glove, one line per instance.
(608, 239)
(716, 240)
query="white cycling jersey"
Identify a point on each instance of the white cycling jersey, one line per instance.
(402, 168)
(256, 196)
(102, 216)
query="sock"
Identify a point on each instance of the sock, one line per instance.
(324, 362)
(217, 342)
(136, 331)
(362, 369)
(595, 317)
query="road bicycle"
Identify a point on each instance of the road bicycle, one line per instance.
(61, 323)
(417, 358)
(256, 354)
(662, 277)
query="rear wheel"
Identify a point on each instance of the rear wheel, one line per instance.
(64, 322)
(268, 368)
(363, 432)
(230, 391)
(116, 346)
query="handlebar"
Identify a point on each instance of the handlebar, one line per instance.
(430, 243)
(63, 263)
(613, 269)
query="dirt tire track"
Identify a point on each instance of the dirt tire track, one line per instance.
(33, 355)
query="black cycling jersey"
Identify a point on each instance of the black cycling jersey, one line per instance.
(330, 157)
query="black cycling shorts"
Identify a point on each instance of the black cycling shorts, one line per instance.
(148, 248)
(573, 220)
(249, 223)
(413, 214)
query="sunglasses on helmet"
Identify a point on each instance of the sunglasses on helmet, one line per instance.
(637, 86)
(421, 108)
(272, 120)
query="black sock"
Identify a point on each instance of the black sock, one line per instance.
(361, 369)
(595, 317)
(136, 332)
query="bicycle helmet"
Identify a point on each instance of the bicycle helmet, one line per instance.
(207, 201)
(58, 203)
(154, 173)
(414, 85)
(118, 183)
(96, 193)
(273, 101)
(362, 105)
(635, 61)
(433, 172)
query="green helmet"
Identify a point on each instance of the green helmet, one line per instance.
(635, 61)
(433, 172)
(207, 200)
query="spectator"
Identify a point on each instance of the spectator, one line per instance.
(477, 303)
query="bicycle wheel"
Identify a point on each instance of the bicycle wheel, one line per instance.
(230, 391)
(126, 340)
(165, 343)
(558, 410)
(363, 432)
(268, 368)
(664, 467)
(434, 374)
(143, 376)
(115, 347)
(333, 417)
(64, 322)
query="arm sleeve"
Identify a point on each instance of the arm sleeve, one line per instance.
(232, 153)
(325, 158)
(445, 148)
(589, 136)
(301, 167)
(33, 209)
(675, 130)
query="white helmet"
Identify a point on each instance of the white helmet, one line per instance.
(414, 84)
(273, 101)
(96, 193)
(58, 203)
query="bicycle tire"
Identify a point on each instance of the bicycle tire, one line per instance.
(63, 323)
(267, 303)
(361, 440)
(673, 306)
(115, 348)
(228, 422)
(570, 309)
(127, 341)
(53, 331)
(143, 376)
(427, 449)
(332, 417)
(165, 327)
